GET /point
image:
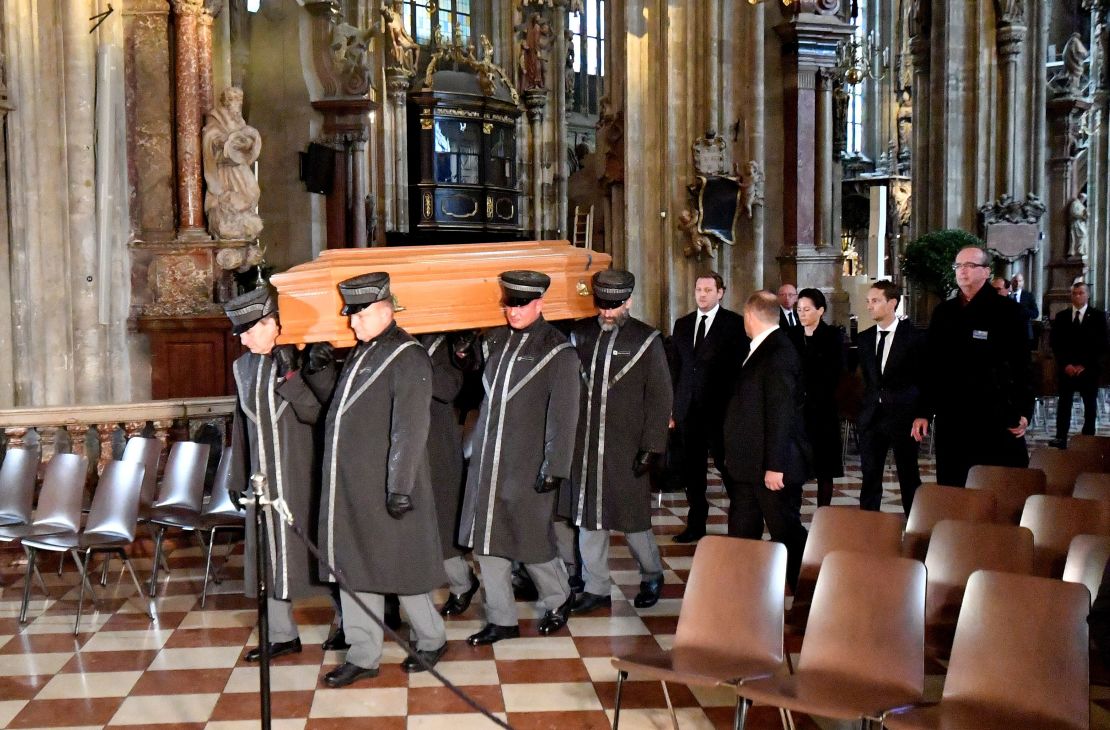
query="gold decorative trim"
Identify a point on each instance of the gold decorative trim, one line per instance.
(582, 289)
(426, 123)
(489, 207)
(512, 209)
(429, 206)
(463, 216)
(459, 53)
(487, 127)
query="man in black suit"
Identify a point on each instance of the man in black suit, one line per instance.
(1078, 339)
(708, 346)
(766, 452)
(788, 300)
(1027, 301)
(890, 362)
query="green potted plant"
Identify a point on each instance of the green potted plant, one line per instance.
(927, 262)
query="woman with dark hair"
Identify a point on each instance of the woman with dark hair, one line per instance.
(822, 362)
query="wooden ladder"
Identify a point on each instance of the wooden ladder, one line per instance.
(583, 233)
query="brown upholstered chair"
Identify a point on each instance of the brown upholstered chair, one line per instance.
(1086, 561)
(1019, 659)
(1011, 487)
(1061, 467)
(957, 550)
(863, 653)
(842, 528)
(933, 503)
(1054, 522)
(1092, 486)
(730, 625)
(1092, 443)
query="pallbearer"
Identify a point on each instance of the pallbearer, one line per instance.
(377, 514)
(622, 431)
(273, 434)
(523, 444)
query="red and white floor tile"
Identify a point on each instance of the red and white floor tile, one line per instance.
(185, 669)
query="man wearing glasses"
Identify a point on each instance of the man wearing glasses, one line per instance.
(977, 383)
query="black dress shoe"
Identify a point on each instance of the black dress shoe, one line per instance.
(457, 604)
(347, 673)
(554, 620)
(336, 642)
(277, 648)
(431, 656)
(492, 633)
(689, 535)
(586, 602)
(650, 591)
(1058, 443)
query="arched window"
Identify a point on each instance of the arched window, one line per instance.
(854, 114)
(588, 48)
(448, 13)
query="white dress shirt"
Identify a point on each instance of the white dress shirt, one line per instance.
(889, 339)
(791, 316)
(758, 340)
(709, 317)
(1082, 313)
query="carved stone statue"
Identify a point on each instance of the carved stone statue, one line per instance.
(698, 244)
(1077, 226)
(230, 147)
(1010, 11)
(752, 186)
(350, 55)
(610, 136)
(921, 18)
(533, 52)
(905, 126)
(1075, 59)
(569, 77)
(403, 51)
(710, 155)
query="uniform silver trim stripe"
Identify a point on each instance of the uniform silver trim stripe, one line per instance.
(279, 481)
(583, 483)
(523, 287)
(539, 366)
(634, 360)
(598, 499)
(263, 459)
(435, 344)
(334, 444)
(374, 376)
(500, 429)
(242, 384)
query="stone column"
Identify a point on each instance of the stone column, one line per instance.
(104, 434)
(534, 102)
(809, 48)
(1010, 37)
(7, 360)
(396, 166)
(920, 28)
(188, 122)
(205, 97)
(1065, 114)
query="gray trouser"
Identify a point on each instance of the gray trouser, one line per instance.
(594, 545)
(497, 587)
(365, 635)
(564, 545)
(458, 574)
(282, 627)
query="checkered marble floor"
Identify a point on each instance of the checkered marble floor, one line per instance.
(185, 669)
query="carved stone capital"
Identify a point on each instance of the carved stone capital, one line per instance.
(188, 7)
(1010, 12)
(534, 101)
(16, 437)
(398, 81)
(1009, 40)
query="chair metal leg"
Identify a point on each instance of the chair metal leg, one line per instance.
(207, 565)
(31, 553)
(617, 709)
(81, 594)
(789, 663)
(740, 716)
(104, 570)
(42, 583)
(161, 532)
(135, 579)
(84, 575)
(667, 696)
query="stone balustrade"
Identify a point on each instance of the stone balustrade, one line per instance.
(101, 431)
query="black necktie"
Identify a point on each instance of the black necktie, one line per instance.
(790, 318)
(882, 346)
(1077, 320)
(701, 331)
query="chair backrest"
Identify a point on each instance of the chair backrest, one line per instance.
(220, 502)
(63, 489)
(933, 503)
(846, 528)
(733, 603)
(1086, 561)
(115, 505)
(145, 451)
(1089, 485)
(1054, 522)
(957, 550)
(1021, 644)
(1061, 467)
(1011, 487)
(1100, 444)
(868, 621)
(17, 485)
(183, 480)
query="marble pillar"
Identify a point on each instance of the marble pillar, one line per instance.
(206, 100)
(149, 119)
(7, 361)
(1010, 38)
(534, 102)
(920, 141)
(1065, 117)
(188, 120)
(396, 168)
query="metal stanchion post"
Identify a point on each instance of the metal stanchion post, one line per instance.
(258, 486)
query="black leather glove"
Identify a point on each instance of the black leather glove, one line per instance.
(286, 357)
(398, 504)
(644, 462)
(545, 484)
(462, 349)
(320, 356)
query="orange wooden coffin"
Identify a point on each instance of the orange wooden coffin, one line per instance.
(440, 288)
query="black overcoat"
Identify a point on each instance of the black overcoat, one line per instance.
(445, 454)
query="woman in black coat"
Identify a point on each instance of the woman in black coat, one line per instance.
(822, 362)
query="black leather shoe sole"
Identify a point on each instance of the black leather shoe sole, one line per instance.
(347, 673)
(492, 633)
(278, 648)
(457, 604)
(411, 666)
(336, 642)
(687, 536)
(587, 602)
(557, 619)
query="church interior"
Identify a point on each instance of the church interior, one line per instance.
(161, 157)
